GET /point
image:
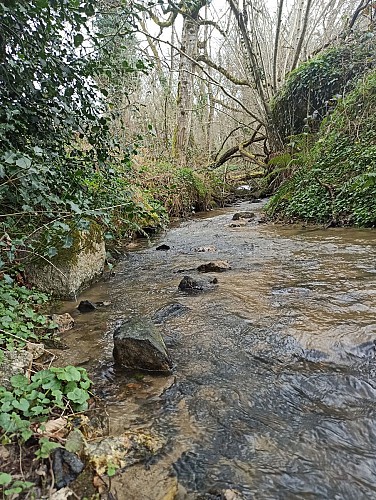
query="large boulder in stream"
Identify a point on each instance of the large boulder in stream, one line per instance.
(138, 345)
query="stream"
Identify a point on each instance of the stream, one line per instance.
(273, 394)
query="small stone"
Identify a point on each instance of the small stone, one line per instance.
(214, 281)
(163, 247)
(75, 442)
(189, 284)
(244, 215)
(104, 303)
(64, 322)
(37, 350)
(206, 249)
(231, 495)
(216, 266)
(86, 306)
(66, 466)
(240, 223)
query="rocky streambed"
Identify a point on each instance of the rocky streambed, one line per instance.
(273, 388)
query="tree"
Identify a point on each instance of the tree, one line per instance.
(244, 60)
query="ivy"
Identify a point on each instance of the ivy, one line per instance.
(312, 91)
(336, 180)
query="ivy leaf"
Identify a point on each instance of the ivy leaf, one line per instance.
(68, 241)
(52, 251)
(23, 162)
(78, 39)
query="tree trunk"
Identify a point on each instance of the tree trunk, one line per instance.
(184, 102)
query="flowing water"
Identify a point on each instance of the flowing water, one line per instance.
(274, 388)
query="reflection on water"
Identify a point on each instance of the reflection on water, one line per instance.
(274, 389)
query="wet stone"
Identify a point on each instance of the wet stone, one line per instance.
(86, 306)
(206, 249)
(188, 284)
(66, 466)
(138, 345)
(64, 322)
(163, 247)
(243, 215)
(216, 266)
(122, 451)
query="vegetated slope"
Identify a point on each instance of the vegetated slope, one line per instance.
(312, 90)
(335, 179)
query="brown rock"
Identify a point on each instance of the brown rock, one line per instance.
(244, 215)
(216, 266)
(64, 322)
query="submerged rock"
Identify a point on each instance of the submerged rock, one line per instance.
(121, 451)
(169, 311)
(139, 345)
(206, 249)
(155, 483)
(216, 266)
(239, 223)
(64, 322)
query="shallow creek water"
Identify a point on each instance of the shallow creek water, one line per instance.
(274, 388)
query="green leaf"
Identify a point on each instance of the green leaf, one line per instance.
(23, 162)
(19, 381)
(46, 446)
(52, 251)
(5, 478)
(23, 404)
(69, 373)
(78, 39)
(78, 396)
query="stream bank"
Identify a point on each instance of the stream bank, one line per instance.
(274, 386)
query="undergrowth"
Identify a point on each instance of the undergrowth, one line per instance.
(28, 405)
(180, 190)
(336, 182)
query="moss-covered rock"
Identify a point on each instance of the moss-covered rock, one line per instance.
(312, 90)
(71, 269)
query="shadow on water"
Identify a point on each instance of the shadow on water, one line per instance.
(274, 389)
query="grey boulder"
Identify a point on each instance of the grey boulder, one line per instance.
(138, 345)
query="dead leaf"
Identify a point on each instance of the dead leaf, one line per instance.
(54, 428)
